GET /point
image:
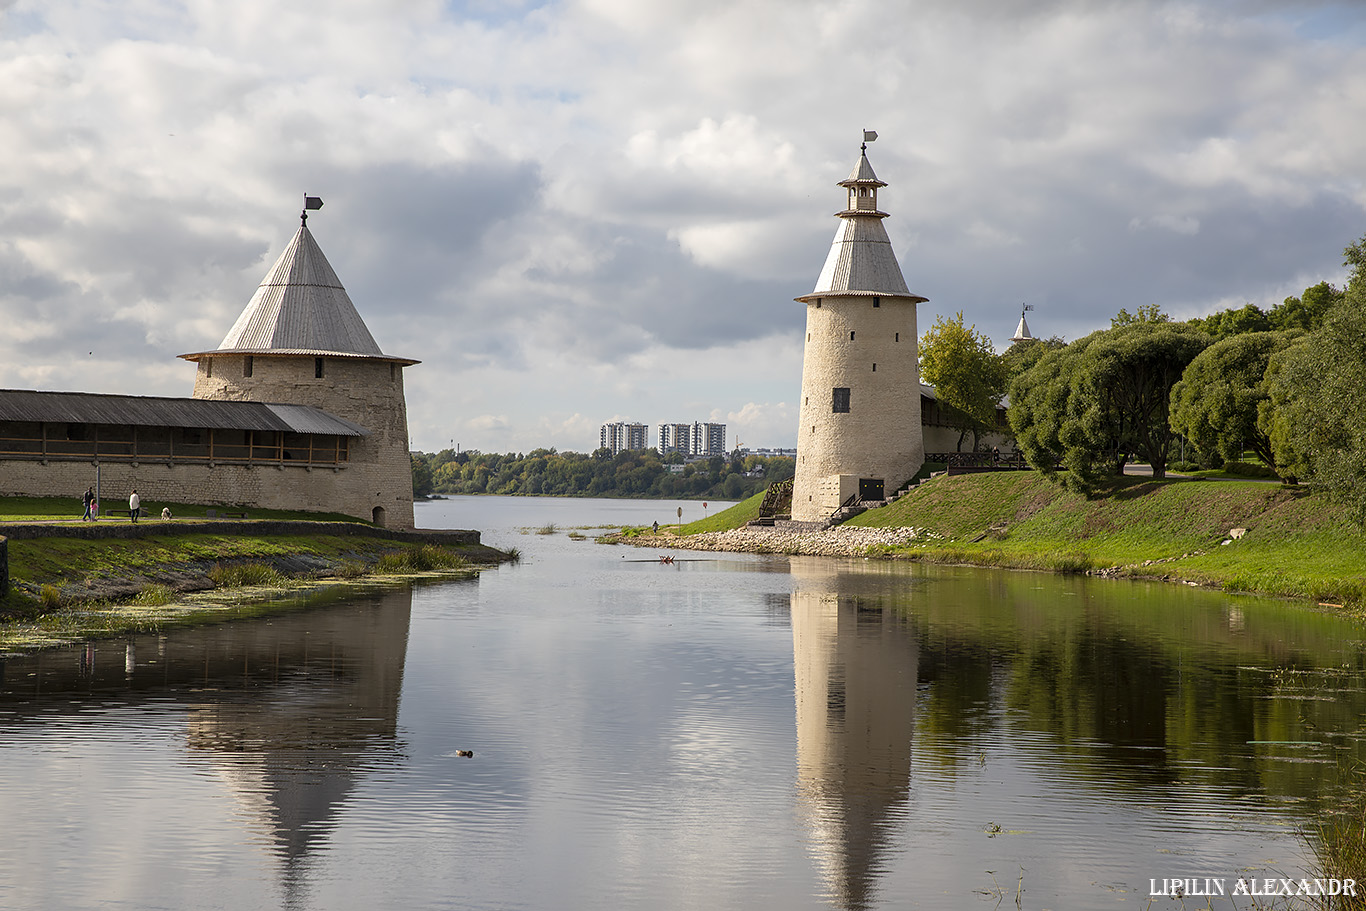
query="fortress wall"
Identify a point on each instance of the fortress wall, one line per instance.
(945, 439)
(319, 489)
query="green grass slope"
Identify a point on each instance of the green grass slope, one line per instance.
(732, 517)
(1296, 544)
(69, 509)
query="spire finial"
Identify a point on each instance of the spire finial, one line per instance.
(310, 202)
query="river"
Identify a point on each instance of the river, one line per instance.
(723, 732)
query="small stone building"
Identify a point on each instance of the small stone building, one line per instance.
(297, 408)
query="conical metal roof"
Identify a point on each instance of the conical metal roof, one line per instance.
(301, 307)
(862, 173)
(1022, 332)
(861, 261)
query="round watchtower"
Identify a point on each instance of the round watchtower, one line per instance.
(860, 435)
(300, 341)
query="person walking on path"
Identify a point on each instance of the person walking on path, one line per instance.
(134, 502)
(89, 499)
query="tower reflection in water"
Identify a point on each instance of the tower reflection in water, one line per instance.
(855, 667)
(290, 712)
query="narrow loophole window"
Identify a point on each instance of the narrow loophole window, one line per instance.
(318, 368)
(875, 368)
(246, 365)
(851, 335)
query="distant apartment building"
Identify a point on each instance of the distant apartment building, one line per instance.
(621, 435)
(695, 439)
(708, 439)
(675, 438)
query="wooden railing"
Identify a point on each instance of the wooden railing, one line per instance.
(221, 446)
(979, 461)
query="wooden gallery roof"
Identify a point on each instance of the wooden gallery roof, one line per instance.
(142, 411)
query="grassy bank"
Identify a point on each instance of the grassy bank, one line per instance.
(66, 587)
(1292, 544)
(68, 509)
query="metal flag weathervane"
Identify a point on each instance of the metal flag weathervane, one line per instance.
(868, 136)
(310, 203)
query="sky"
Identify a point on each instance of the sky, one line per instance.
(597, 210)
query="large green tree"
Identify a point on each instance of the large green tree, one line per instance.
(1315, 397)
(1217, 403)
(1309, 310)
(967, 375)
(1020, 356)
(1227, 323)
(1305, 312)
(1090, 406)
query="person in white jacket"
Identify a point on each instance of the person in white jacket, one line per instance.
(134, 503)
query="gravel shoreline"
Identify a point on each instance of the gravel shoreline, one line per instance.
(839, 541)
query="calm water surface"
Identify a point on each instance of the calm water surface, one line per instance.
(723, 732)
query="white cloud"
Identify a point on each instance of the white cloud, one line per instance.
(570, 211)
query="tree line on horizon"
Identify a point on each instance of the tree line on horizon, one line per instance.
(1283, 384)
(642, 473)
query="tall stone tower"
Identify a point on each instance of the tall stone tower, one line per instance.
(860, 433)
(300, 341)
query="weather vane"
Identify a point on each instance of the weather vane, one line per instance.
(310, 202)
(868, 136)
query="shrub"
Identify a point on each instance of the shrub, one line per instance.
(351, 569)
(420, 559)
(1249, 469)
(237, 574)
(50, 596)
(1338, 840)
(154, 596)
(1075, 563)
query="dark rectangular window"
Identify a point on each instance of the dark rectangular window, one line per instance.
(840, 403)
(246, 365)
(318, 368)
(877, 302)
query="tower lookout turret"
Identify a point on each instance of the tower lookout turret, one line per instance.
(1022, 330)
(860, 434)
(300, 341)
